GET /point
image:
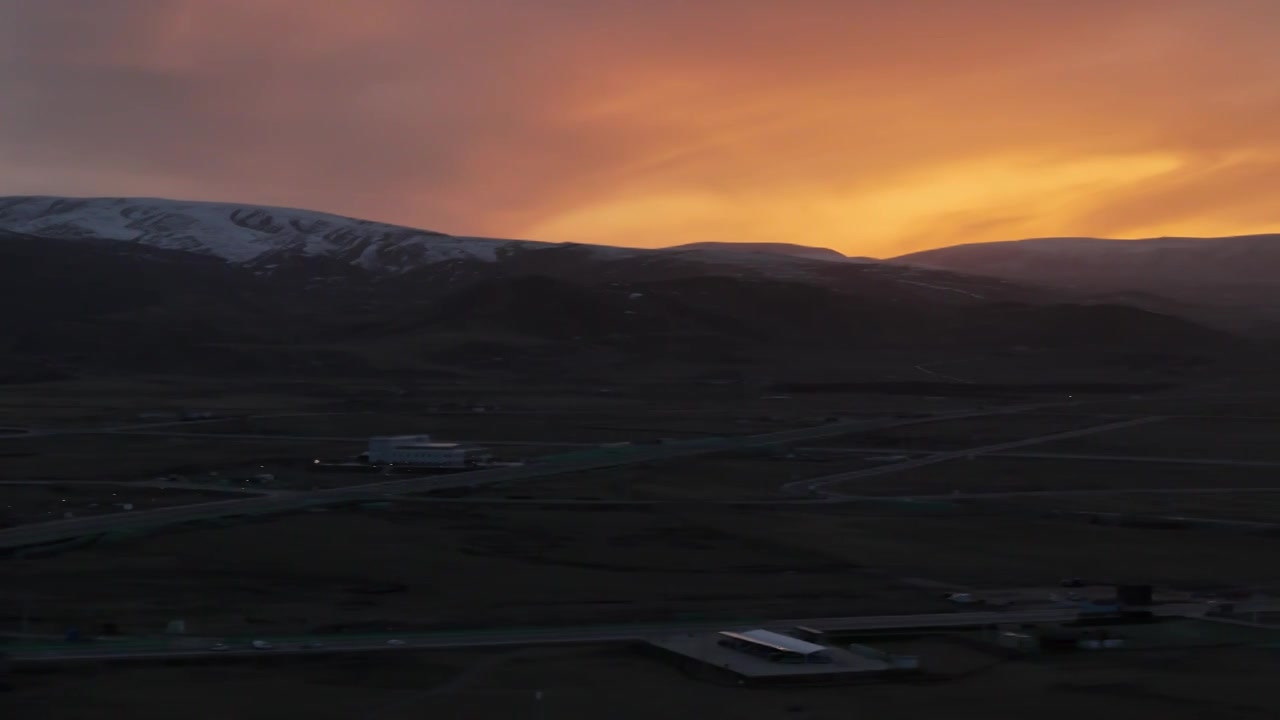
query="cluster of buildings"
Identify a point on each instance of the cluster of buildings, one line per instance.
(953, 646)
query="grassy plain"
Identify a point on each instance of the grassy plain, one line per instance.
(448, 564)
(37, 502)
(1232, 438)
(755, 476)
(993, 474)
(1261, 507)
(121, 457)
(969, 432)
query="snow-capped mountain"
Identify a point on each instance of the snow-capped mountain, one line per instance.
(247, 234)
(321, 249)
(217, 288)
(264, 237)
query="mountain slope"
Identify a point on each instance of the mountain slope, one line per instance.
(245, 234)
(319, 248)
(1160, 265)
(1229, 282)
(143, 286)
(787, 249)
(119, 308)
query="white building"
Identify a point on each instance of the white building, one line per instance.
(420, 451)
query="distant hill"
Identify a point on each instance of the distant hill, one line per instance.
(1094, 262)
(1231, 280)
(304, 245)
(787, 249)
(155, 286)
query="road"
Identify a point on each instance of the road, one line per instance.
(818, 485)
(1227, 462)
(57, 530)
(319, 438)
(1055, 493)
(1194, 520)
(924, 368)
(256, 491)
(27, 433)
(826, 500)
(161, 649)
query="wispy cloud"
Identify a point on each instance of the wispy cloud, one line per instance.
(872, 126)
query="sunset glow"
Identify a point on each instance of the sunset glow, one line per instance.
(874, 127)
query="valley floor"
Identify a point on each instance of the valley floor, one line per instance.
(712, 537)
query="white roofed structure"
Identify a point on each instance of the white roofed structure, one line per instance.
(775, 641)
(421, 451)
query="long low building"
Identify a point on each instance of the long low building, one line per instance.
(421, 451)
(764, 656)
(775, 647)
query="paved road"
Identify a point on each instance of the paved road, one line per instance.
(36, 432)
(818, 485)
(230, 436)
(164, 649)
(1228, 462)
(1056, 493)
(57, 530)
(1193, 520)
(1055, 456)
(826, 500)
(624, 501)
(322, 438)
(924, 368)
(165, 484)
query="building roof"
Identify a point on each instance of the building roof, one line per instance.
(775, 641)
(416, 442)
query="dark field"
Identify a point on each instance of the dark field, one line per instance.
(756, 476)
(618, 683)
(985, 550)
(498, 557)
(463, 426)
(1255, 397)
(38, 502)
(100, 402)
(966, 433)
(452, 564)
(143, 457)
(1236, 439)
(988, 474)
(467, 564)
(1262, 507)
(103, 402)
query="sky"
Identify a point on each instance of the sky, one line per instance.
(875, 127)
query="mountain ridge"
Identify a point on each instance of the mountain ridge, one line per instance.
(1229, 281)
(316, 294)
(1008, 257)
(286, 241)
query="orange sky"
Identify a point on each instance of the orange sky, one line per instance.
(875, 127)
